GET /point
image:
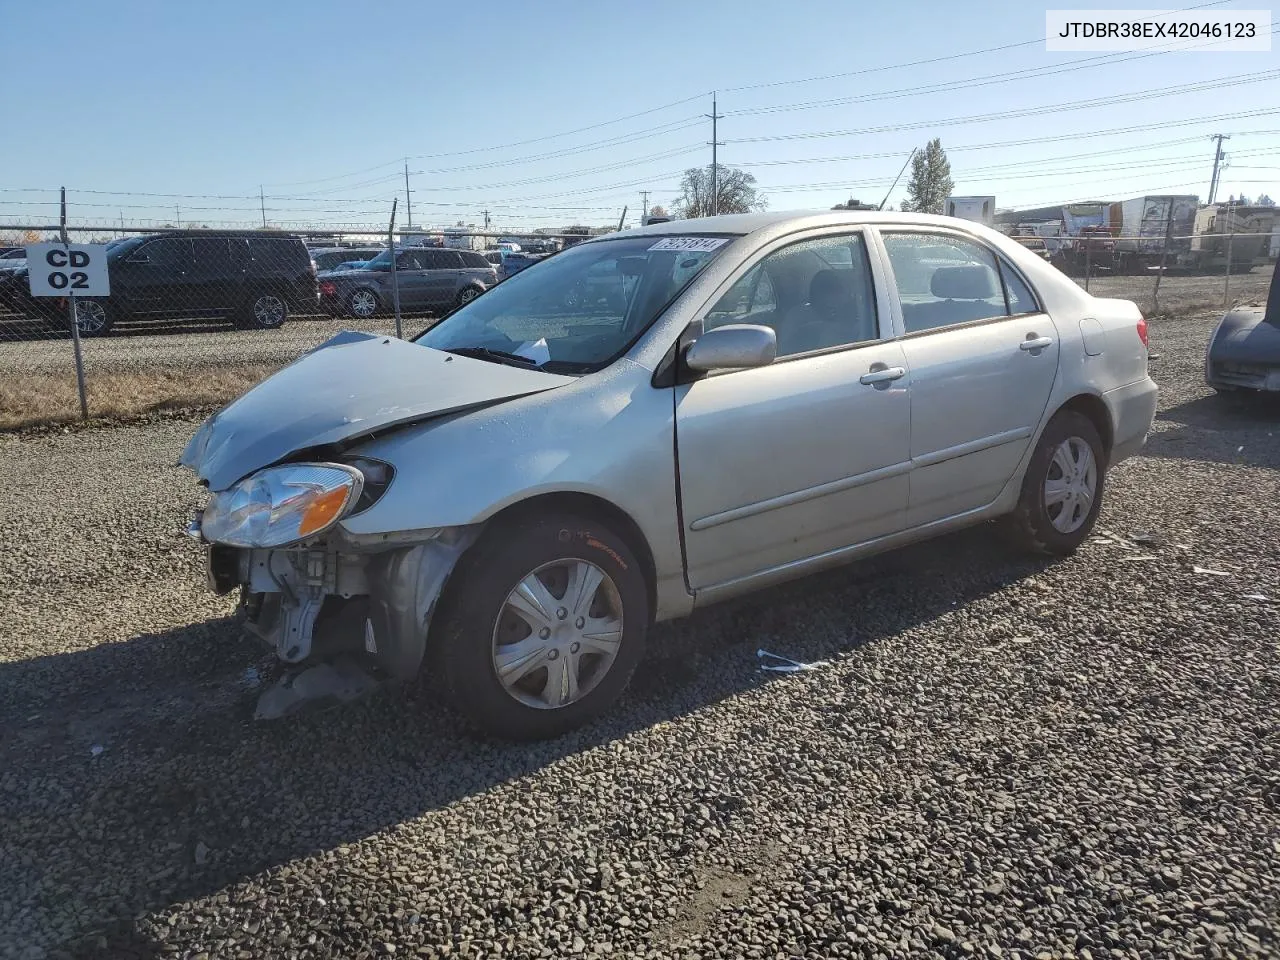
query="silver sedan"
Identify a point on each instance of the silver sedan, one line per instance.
(648, 423)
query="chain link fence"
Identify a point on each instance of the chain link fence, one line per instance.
(196, 316)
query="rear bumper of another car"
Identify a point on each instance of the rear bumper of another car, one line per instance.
(1133, 408)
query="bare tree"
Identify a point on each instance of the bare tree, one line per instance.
(930, 182)
(736, 190)
(658, 211)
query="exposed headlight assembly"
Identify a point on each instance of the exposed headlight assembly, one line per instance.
(282, 505)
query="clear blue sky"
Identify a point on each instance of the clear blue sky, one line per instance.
(321, 100)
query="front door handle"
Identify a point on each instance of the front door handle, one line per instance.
(1035, 343)
(883, 375)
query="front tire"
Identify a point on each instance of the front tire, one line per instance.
(362, 303)
(544, 628)
(94, 318)
(1062, 490)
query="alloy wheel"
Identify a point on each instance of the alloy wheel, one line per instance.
(91, 317)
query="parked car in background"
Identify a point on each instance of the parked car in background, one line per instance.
(254, 277)
(13, 253)
(1244, 349)
(1036, 245)
(429, 278)
(500, 499)
(332, 258)
(508, 264)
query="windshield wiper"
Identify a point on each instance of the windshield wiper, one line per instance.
(497, 356)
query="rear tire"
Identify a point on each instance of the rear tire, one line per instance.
(466, 295)
(1062, 490)
(560, 605)
(265, 311)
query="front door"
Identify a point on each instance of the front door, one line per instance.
(808, 455)
(983, 358)
(155, 278)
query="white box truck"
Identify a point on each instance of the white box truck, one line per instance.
(1140, 226)
(979, 209)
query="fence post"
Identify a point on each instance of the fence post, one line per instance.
(71, 314)
(1226, 283)
(395, 277)
(1088, 261)
(1164, 255)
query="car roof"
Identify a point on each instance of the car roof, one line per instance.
(220, 235)
(742, 224)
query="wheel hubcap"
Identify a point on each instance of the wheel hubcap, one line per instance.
(558, 633)
(90, 317)
(363, 304)
(468, 296)
(1071, 486)
(268, 311)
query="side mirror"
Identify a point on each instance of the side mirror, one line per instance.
(735, 346)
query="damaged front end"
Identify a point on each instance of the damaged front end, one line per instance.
(343, 614)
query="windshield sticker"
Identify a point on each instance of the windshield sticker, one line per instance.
(690, 244)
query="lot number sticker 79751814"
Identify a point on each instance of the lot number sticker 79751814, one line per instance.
(690, 244)
(68, 270)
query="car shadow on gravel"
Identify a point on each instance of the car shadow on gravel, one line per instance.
(1227, 428)
(133, 776)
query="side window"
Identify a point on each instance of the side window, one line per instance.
(212, 255)
(815, 294)
(747, 301)
(168, 255)
(476, 260)
(943, 280)
(1021, 299)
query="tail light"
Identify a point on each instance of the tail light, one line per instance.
(1142, 330)
(329, 288)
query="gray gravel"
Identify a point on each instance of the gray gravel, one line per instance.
(1003, 758)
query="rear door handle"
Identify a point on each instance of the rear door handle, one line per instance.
(883, 375)
(1036, 343)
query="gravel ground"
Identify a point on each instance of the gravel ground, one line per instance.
(1002, 757)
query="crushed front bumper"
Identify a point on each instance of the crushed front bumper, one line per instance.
(324, 604)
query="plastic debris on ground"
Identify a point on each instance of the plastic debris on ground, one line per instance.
(251, 677)
(1211, 573)
(777, 664)
(96, 750)
(1260, 597)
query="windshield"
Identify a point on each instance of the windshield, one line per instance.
(577, 311)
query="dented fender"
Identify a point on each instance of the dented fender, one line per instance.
(404, 588)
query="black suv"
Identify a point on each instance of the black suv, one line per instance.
(255, 277)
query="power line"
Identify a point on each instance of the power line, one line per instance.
(1157, 93)
(986, 80)
(920, 63)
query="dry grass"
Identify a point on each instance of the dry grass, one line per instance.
(44, 399)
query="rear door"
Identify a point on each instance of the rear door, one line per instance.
(216, 277)
(441, 281)
(983, 358)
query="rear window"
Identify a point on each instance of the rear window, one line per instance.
(475, 260)
(277, 249)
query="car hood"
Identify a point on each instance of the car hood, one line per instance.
(353, 385)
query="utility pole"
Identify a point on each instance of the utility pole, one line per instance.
(262, 202)
(644, 206)
(408, 204)
(1217, 164)
(177, 212)
(486, 222)
(122, 221)
(715, 166)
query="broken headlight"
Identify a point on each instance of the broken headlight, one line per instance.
(282, 505)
